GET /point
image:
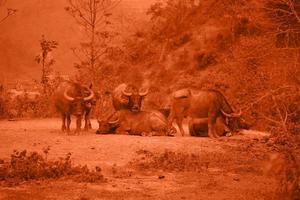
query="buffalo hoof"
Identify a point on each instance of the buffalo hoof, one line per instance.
(229, 134)
(149, 134)
(171, 131)
(171, 134)
(87, 127)
(63, 128)
(213, 136)
(68, 132)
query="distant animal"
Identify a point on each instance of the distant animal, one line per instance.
(23, 94)
(72, 98)
(136, 123)
(205, 106)
(128, 97)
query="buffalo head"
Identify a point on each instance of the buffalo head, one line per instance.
(135, 98)
(235, 121)
(80, 98)
(108, 125)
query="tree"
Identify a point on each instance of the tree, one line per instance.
(170, 22)
(45, 59)
(285, 15)
(93, 16)
(9, 12)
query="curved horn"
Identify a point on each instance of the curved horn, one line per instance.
(238, 114)
(92, 94)
(126, 93)
(232, 114)
(143, 93)
(114, 122)
(67, 96)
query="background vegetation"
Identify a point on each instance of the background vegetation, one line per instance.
(247, 49)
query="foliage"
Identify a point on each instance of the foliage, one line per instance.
(45, 59)
(94, 17)
(24, 166)
(27, 106)
(285, 16)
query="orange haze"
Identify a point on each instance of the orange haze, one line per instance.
(20, 34)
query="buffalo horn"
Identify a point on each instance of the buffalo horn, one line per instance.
(143, 93)
(126, 93)
(231, 114)
(90, 96)
(114, 122)
(67, 96)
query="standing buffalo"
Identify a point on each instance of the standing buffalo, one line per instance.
(128, 97)
(136, 123)
(203, 107)
(73, 98)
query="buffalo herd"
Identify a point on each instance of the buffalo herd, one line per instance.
(208, 112)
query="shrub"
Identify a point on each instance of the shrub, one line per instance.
(25, 166)
(205, 59)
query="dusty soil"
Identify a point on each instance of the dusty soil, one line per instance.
(231, 168)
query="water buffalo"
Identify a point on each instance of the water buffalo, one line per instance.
(73, 98)
(205, 106)
(136, 123)
(128, 97)
(199, 127)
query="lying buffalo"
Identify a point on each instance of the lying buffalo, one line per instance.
(205, 107)
(128, 97)
(136, 123)
(73, 98)
(199, 127)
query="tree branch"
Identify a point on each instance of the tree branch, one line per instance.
(292, 7)
(8, 14)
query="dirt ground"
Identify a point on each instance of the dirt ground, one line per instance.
(233, 167)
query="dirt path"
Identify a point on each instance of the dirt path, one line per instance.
(234, 170)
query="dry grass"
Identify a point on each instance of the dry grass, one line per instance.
(24, 166)
(234, 162)
(286, 165)
(168, 161)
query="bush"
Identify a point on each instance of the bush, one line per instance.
(169, 161)
(205, 59)
(25, 166)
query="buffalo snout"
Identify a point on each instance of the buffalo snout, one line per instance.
(106, 128)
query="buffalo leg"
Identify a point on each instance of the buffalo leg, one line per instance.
(68, 122)
(212, 126)
(179, 123)
(87, 122)
(78, 124)
(196, 121)
(63, 126)
(171, 118)
(191, 128)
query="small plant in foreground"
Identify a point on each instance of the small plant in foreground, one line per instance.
(24, 166)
